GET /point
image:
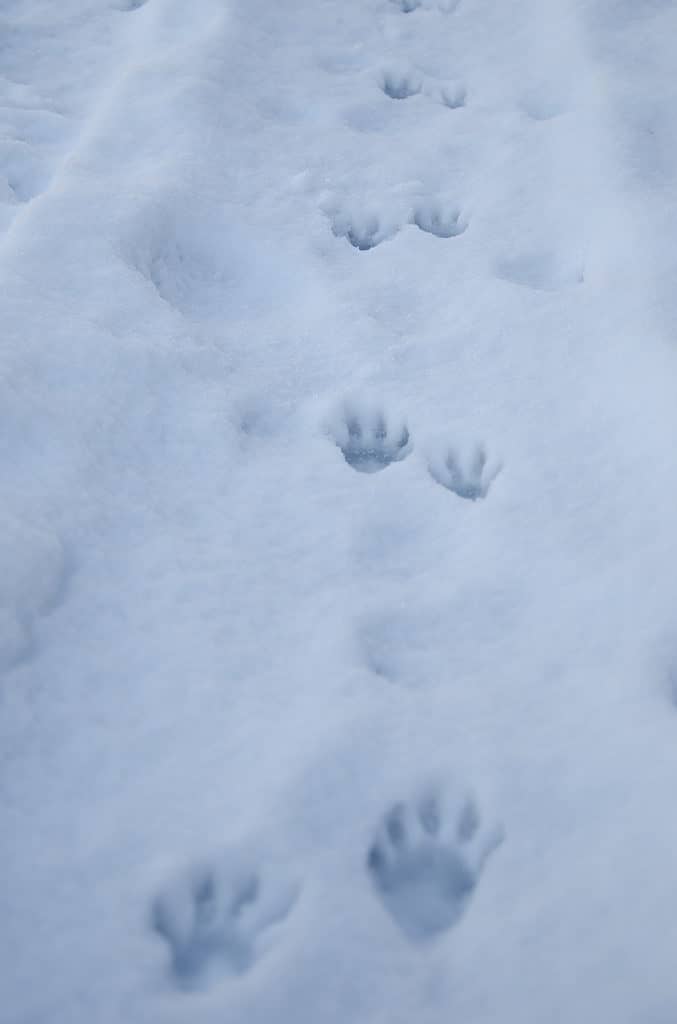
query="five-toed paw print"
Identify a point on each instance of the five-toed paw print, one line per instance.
(425, 863)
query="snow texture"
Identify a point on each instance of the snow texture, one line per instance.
(338, 533)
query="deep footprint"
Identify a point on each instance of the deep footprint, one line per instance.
(400, 85)
(425, 866)
(368, 440)
(470, 480)
(214, 917)
(364, 230)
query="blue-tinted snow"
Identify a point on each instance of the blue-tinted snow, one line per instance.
(337, 564)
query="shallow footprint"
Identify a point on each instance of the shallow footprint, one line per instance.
(468, 479)
(34, 573)
(16, 639)
(452, 96)
(540, 270)
(23, 170)
(438, 218)
(215, 919)
(544, 101)
(425, 865)
(369, 440)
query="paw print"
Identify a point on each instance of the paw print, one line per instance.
(401, 83)
(425, 867)
(215, 918)
(471, 479)
(369, 440)
(364, 228)
(439, 218)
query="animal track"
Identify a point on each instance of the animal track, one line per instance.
(34, 573)
(400, 84)
(541, 270)
(438, 219)
(368, 440)
(200, 261)
(216, 919)
(425, 866)
(452, 96)
(399, 645)
(364, 230)
(470, 480)
(407, 6)
(544, 102)
(23, 170)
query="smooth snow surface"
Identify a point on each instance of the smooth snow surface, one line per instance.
(338, 649)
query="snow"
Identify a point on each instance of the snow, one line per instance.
(337, 644)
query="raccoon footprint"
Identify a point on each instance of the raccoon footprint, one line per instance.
(401, 83)
(363, 228)
(216, 919)
(369, 440)
(425, 865)
(467, 479)
(439, 218)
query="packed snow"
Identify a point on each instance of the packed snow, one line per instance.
(338, 649)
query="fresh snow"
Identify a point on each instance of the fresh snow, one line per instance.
(338, 656)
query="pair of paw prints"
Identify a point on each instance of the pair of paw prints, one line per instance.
(402, 82)
(219, 919)
(371, 441)
(367, 227)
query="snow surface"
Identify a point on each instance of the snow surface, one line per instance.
(337, 560)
